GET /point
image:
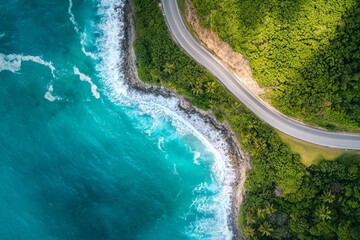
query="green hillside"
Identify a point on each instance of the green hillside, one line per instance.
(307, 53)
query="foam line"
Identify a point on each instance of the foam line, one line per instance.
(161, 143)
(12, 62)
(72, 17)
(86, 78)
(83, 49)
(78, 31)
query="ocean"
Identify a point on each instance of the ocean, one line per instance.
(82, 156)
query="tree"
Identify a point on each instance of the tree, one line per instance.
(324, 213)
(261, 213)
(249, 232)
(250, 219)
(327, 197)
(197, 90)
(169, 68)
(269, 209)
(210, 87)
(265, 229)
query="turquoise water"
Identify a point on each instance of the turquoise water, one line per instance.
(82, 156)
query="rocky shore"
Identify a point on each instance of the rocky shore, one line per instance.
(240, 160)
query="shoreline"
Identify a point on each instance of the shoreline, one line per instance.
(239, 159)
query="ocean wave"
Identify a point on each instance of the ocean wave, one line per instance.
(12, 62)
(215, 207)
(111, 31)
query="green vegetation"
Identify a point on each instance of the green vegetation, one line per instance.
(307, 53)
(284, 198)
(324, 204)
(310, 153)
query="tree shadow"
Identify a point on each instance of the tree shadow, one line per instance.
(330, 80)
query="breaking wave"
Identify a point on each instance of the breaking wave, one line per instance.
(215, 203)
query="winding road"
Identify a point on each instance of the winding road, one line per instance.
(230, 81)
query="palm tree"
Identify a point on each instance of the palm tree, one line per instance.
(190, 84)
(250, 219)
(170, 85)
(265, 229)
(269, 209)
(210, 87)
(249, 232)
(261, 213)
(169, 68)
(197, 90)
(324, 213)
(213, 105)
(328, 197)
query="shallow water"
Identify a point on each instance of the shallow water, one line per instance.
(83, 157)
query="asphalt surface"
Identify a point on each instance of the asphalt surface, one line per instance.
(267, 114)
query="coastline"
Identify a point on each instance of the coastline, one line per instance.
(239, 159)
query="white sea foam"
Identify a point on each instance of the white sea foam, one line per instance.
(175, 173)
(154, 126)
(12, 62)
(72, 17)
(160, 143)
(215, 207)
(77, 29)
(196, 157)
(49, 95)
(213, 200)
(83, 45)
(110, 54)
(86, 78)
(218, 204)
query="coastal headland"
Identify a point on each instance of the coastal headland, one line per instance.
(284, 198)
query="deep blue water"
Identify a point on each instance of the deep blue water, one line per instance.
(82, 156)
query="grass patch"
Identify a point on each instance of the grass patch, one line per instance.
(312, 154)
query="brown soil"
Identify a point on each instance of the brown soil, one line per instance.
(239, 65)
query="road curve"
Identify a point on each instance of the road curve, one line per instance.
(273, 118)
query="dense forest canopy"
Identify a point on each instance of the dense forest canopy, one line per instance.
(306, 52)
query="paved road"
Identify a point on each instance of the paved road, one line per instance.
(273, 118)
